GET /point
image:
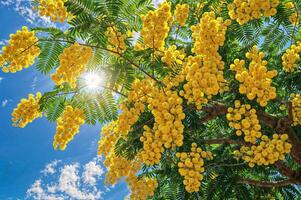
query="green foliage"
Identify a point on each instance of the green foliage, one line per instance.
(92, 18)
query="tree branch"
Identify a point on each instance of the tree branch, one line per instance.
(265, 184)
(288, 172)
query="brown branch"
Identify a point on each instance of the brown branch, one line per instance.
(294, 175)
(213, 112)
(266, 184)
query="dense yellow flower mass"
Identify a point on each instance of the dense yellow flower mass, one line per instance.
(119, 167)
(267, 152)
(141, 188)
(55, 9)
(109, 136)
(181, 13)
(116, 39)
(255, 82)
(173, 56)
(191, 167)
(73, 62)
(204, 72)
(294, 17)
(20, 51)
(156, 27)
(152, 146)
(133, 106)
(209, 35)
(27, 111)
(246, 10)
(68, 125)
(296, 108)
(205, 78)
(243, 119)
(291, 57)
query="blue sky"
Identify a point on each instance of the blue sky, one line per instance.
(29, 167)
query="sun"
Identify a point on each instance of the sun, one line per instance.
(93, 81)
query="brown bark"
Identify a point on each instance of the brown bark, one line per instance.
(282, 125)
(265, 184)
(293, 175)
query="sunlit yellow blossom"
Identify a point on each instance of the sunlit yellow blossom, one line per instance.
(73, 63)
(20, 51)
(27, 111)
(68, 125)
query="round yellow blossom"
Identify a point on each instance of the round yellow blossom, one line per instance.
(109, 136)
(116, 40)
(27, 111)
(191, 167)
(291, 57)
(173, 56)
(267, 152)
(156, 27)
(55, 9)
(68, 125)
(73, 62)
(181, 13)
(296, 108)
(244, 11)
(244, 119)
(255, 82)
(20, 51)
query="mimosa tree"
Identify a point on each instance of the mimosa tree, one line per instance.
(199, 99)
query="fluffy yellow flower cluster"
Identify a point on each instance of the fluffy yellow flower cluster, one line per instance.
(294, 17)
(152, 146)
(116, 40)
(73, 62)
(133, 106)
(209, 35)
(255, 82)
(109, 136)
(68, 125)
(27, 111)
(296, 106)
(55, 9)
(181, 13)
(246, 10)
(156, 26)
(168, 128)
(119, 167)
(166, 106)
(291, 57)
(191, 167)
(244, 119)
(204, 76)
(267, 152)
(204, 72)
(172, 55)
(20, 51)
(141, 188)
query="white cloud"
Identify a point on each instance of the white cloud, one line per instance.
(157, 2)
(71, 182)
(92, 171)
(37, 192)
(25, 10)
(4, 103)
(1, 79)
(50, 168)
